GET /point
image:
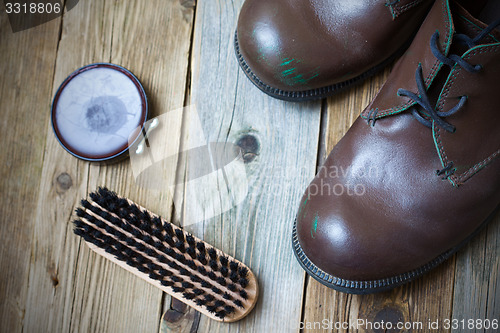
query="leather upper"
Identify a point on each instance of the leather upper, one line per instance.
(296, 45)
(399, 214)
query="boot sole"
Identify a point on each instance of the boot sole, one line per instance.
(312, 94)
(374, 286)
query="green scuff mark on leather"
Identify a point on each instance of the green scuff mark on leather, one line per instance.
(302, 80)
(289, 69)
(289, 73)
(264, 50)
(287, 61)
(315, 225)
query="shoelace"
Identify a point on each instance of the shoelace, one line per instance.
(451, 60)
(423, 100)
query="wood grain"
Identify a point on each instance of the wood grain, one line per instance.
(152, 39)
(93, 294)
(257, 231)
(477, 280)
(26, 71)
(50, 307)
(51, 282)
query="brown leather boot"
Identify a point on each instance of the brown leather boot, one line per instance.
(306, 49)
(418, 173)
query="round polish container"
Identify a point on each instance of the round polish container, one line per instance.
(98, 110)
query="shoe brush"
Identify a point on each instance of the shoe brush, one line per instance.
(166, 256)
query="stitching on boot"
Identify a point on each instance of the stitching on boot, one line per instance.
(429, 78)
(460, 179)
(401, 9)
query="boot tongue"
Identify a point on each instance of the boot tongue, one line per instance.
(442, 18)
(470, 26)
(465, 24)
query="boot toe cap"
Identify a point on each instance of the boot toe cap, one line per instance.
(274, 49)
(350, 238)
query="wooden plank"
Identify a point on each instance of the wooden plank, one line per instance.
(26, 67)
(92, 294)
(428, 298)
(477, 282)
(282, 138)
(162, 62)
(63, 182)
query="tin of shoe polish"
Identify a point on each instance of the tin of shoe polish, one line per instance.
(97, 111)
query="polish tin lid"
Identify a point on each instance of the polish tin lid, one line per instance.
(98, 110)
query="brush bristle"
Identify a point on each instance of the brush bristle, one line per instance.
(164, 252)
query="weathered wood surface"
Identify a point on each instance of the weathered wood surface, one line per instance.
(257, 231)
(27, 62)
(51, 282)
(56, 283)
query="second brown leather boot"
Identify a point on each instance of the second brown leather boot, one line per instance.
(306, 49)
